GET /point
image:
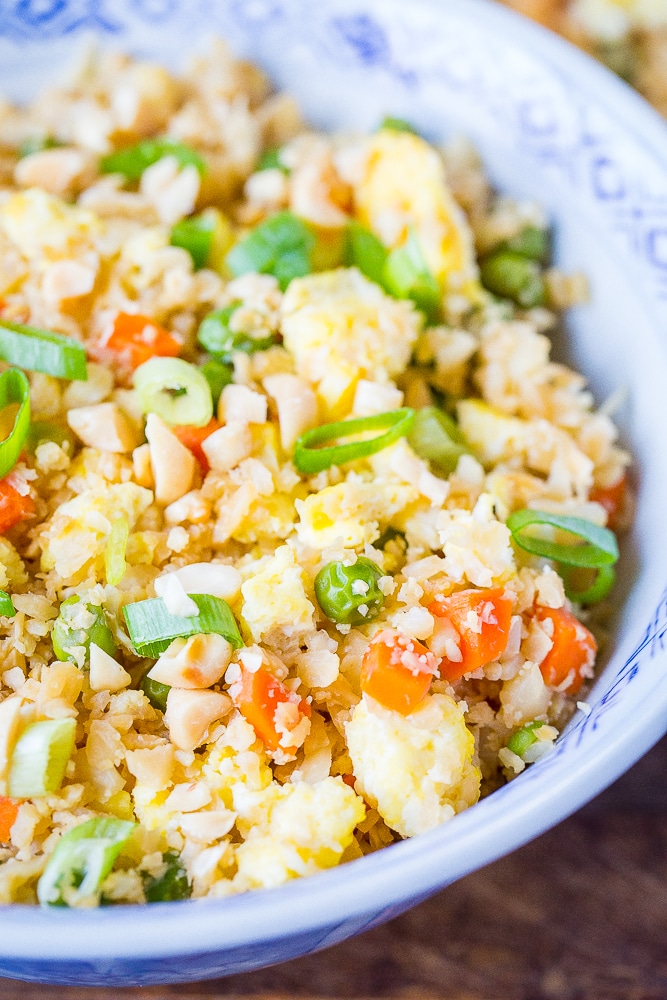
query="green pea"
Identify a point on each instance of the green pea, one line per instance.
(216, 337)
(66, 635)
(523, 738)
(156, 692)
(531, 242)
(171, 885)
(512, 276)
(336, 587)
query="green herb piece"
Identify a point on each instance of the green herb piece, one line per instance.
(171, 885)
(309, 458)
(132, 162)
(593, 547)
(513, 276)
(14, 388)
(40, 757)
(153, 628)
(82, 859)
(42, 351)
(68, 634)
(215, 336)
(435, 437)
(281, 246)
(407, 276)
(350, 595)
(175, 390)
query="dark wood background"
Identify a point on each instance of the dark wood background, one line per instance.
(579, 914)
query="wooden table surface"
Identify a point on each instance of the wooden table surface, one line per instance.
(579, 914)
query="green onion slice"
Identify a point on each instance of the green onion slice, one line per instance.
(530, 242)
(172, 884)
(514, 276)
(435, 436)
(218, 375)
(523, 738)
(282, 246)
(175, 390)
(42, 351)
(309, 458)
(152, 628)
(41, 754)
(114, 557)
(156, 692)
(132, 162)
(215, 335)
(196, 236)
(407, 276)
(398, 125)
(44, 430)
(270, 160)
(82, 859)
(595, 546)
(7, 609)
(598, 590)
(14, 388)
(364, 250)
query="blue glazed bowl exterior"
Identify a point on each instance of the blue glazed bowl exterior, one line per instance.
(551, 126)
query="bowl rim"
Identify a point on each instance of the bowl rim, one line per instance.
(407, 871)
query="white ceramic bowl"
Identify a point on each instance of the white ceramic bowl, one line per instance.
(553, 126)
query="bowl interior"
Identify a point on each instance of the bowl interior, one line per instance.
(550, 126)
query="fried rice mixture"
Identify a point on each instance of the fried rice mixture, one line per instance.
(370, 646)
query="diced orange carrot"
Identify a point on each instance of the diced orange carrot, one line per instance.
(257, 696)
(481, 618)
(397, 671)
(192, 438)
(14, 507)
(573, 651)
(137, 339)
(9, 809)
(613, 499)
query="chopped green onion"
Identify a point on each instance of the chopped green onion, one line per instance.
(531, 242)
(435, 436)
(216, 337)
(68, 635)
(270, 160)
(132, 162)
(282, 246)
(153, 628)
(523, 738)
(7, 609)
(42, 351)
(218, 375)
(44, 430)
(407, 276)
(156, 692)
(364, 250)
(82, 859)
(309, 458)
(40, 757)
(175, 390)
(37, 144)
(398, 125)
(14, 388)
(605, 578)
(196, 236)
(513, 276)
(171, 885)
(599, 546)
(114, 557)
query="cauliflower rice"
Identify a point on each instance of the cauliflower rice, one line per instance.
(325, 735)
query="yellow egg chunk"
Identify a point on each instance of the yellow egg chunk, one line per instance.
(350, 513)
(274, 597)
(41, 225)
(416, 770)
(341, 327)
(404, 188)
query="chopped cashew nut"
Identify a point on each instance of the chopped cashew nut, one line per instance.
(228, 446)
(238, 402)
(190, 713)
(216, 579)
(296, 404)
(106, 674)
(103, 426)
(172, 463)
(197, 662)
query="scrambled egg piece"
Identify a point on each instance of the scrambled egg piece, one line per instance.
(295, 830)
(43, 226)
(78, 531)
(341, 327)
(417, 769)
(351, 512)
(12, 570)
(275, 597)
(476, 546)
(404, 188)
